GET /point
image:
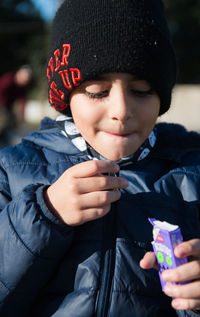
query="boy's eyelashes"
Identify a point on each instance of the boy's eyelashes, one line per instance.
(142, 93)
(97, 95)
(105, 93)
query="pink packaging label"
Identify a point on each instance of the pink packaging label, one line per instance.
(166, 237)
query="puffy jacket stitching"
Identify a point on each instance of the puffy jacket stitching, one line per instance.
(24, 244)
(136, 243)
(37, 163)
(183, 171)
(88, 289)
(2, 181)
(32, 145)
(130, 292)
(26, 163)
(5, 286)
(2, 163)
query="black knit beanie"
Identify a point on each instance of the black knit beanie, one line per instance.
(90, 37)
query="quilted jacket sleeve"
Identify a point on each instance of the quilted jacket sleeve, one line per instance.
(188, 313)
(32, 242)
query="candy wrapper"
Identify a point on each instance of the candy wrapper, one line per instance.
(166, 237)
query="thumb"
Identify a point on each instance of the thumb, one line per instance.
(149, 261)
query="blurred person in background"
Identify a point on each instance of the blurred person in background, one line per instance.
(13, 87)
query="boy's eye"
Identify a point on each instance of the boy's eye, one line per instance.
(135, 92)
(100, 94)
(142, 93)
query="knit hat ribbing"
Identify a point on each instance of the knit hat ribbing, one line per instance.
(90, 37)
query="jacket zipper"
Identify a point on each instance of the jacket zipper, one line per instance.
(108, 263)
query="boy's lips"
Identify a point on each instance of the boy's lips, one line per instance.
(119, 134)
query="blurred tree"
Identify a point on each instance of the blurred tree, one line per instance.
(25, 6)
(19, 22)
(184, 19)
(23, 37)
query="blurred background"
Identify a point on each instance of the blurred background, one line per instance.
(24, 32)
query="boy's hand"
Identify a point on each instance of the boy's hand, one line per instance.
(187, 296)
(82, 193)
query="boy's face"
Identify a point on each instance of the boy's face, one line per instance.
(115, 113)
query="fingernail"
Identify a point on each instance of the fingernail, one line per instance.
(177, 303)
(166, 275)
(169, 290)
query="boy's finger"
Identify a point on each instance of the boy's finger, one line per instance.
(91, 168)
(186, 304)
(99, 183)
(149, 261)
(81, 217)
(188, 248)
(98, 199)
(190, 290)
(96, 213)
(182, 273)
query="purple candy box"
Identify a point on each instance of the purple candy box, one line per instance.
(166, 237)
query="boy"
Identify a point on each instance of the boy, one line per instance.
(76, 196)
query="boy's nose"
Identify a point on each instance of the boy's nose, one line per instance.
(120, 108)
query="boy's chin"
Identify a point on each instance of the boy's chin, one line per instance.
(115, 156)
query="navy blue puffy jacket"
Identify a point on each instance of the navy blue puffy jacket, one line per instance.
(50, 269)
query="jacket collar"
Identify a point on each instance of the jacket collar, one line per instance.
(50, 137)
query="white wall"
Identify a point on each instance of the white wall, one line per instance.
(36, 110)
(185, 107)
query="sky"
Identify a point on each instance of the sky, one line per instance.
(47, 8)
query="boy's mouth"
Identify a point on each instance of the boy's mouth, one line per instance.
(122, 135)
